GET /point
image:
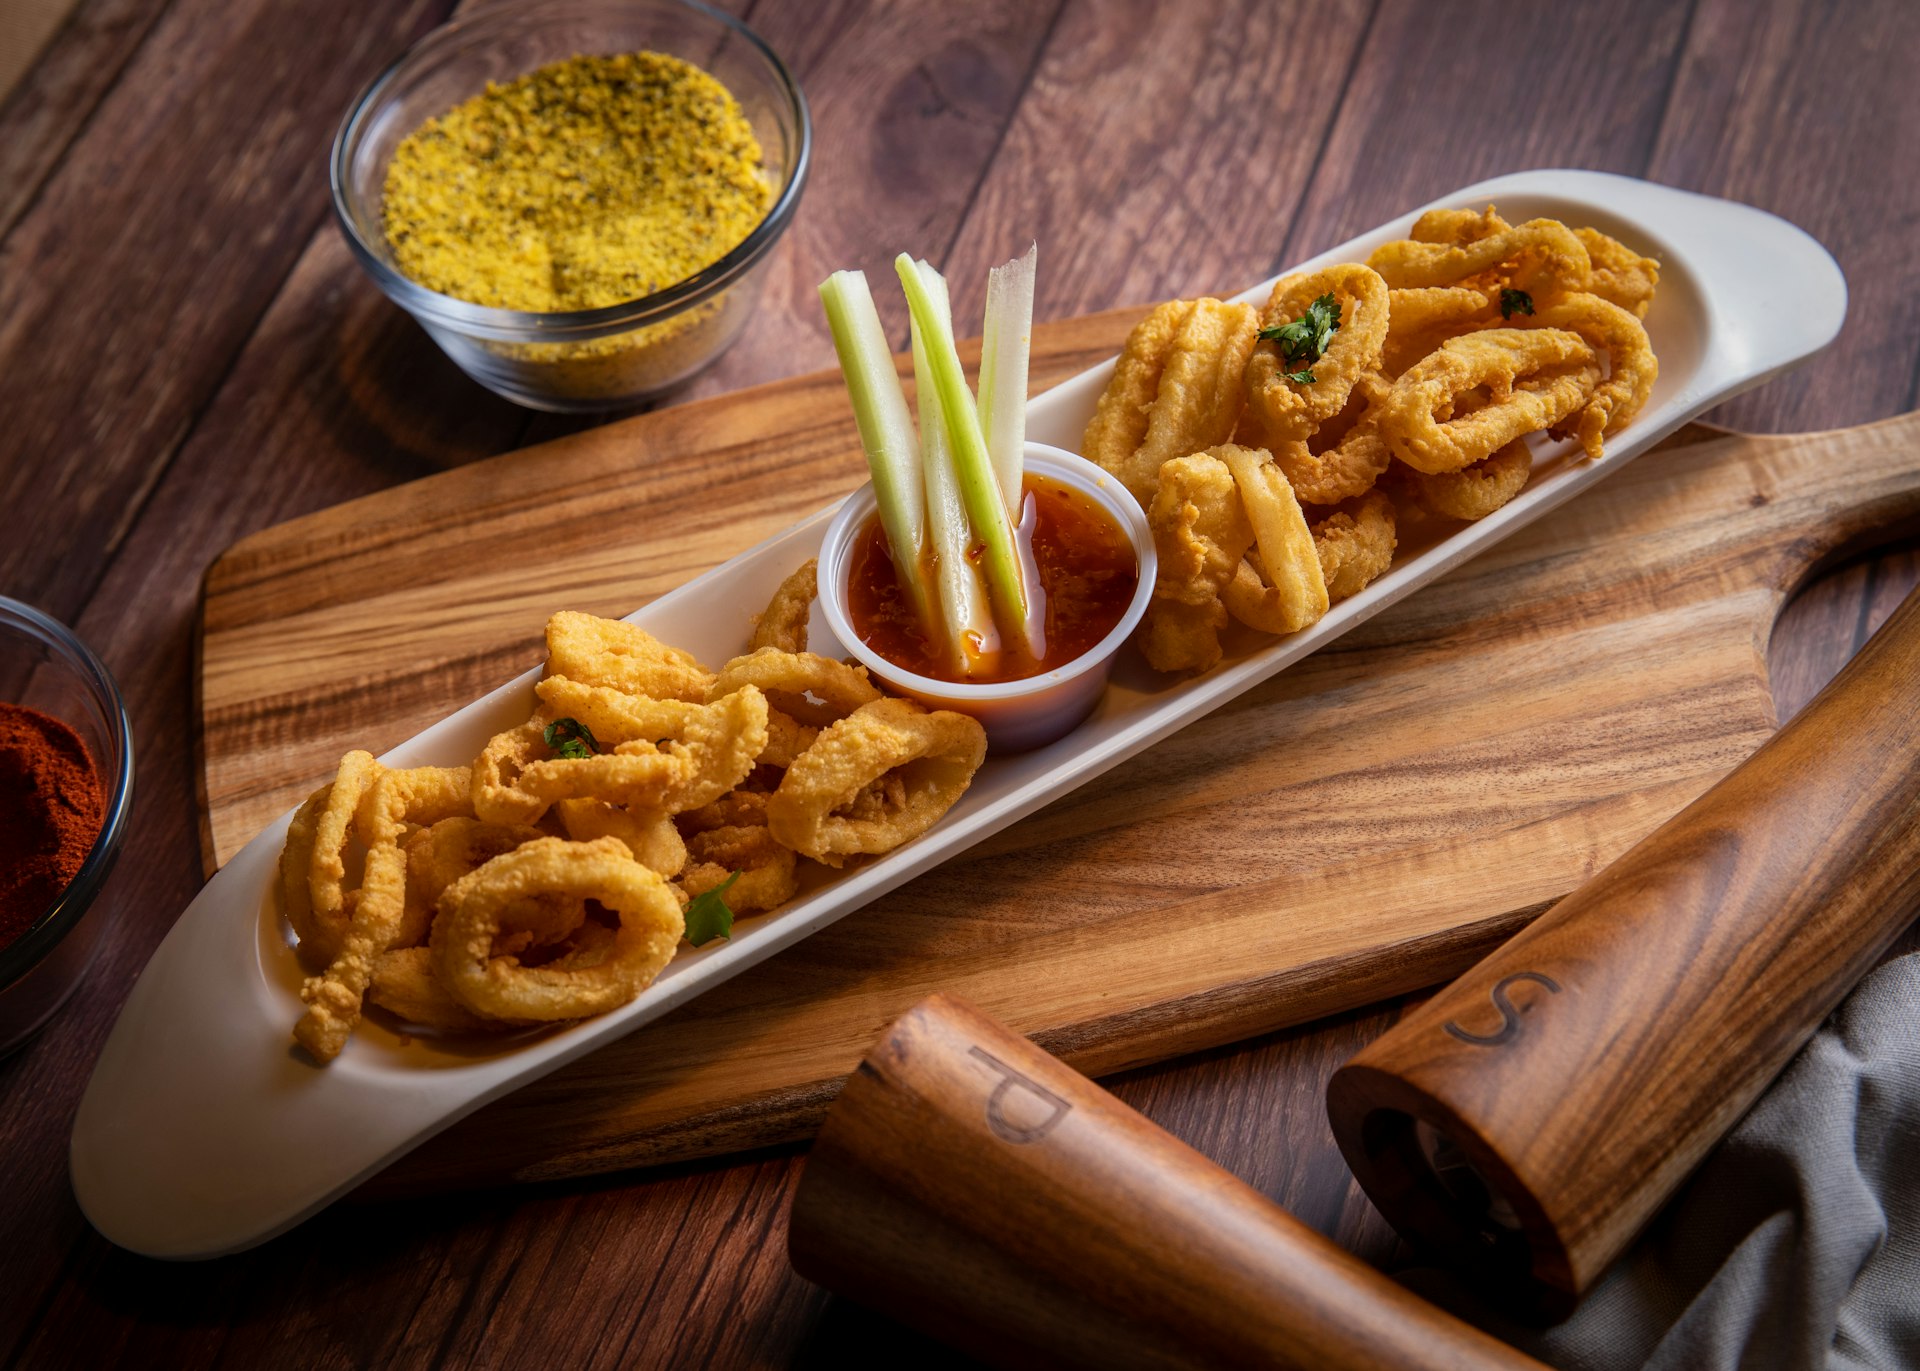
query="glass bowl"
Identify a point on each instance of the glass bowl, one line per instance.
(592, 359)
(44, 667)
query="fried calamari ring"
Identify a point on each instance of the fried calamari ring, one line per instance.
(1457, 226)
(722, 749)
(443, 852)
(716, 743)
(1293, 593)
(784, 624)
(739, 809)
(1632, 366)
(1474, 492)
(787, 738)
(1542, 256)
(1290, 410)
(810, 689)
(498, 793)
(1620, 275)
(1355, 544)
(425, 794)
(672, 755)
(1425, 318)
(296, 871)
(406, 986)
(609, 652)
(1177, 388)
(649, 834)
(1200, 531)
(325, 912)
(615, 716)
(1201, 393)
(1345, 455)
(412, 795)
(936, 753)
(1119, 423)
(333, 998)
(766, 867)
(625, 776)
(1532, 379)
(478, 907)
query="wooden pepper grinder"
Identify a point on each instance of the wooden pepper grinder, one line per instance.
(1529, 1119)
(983, 1191)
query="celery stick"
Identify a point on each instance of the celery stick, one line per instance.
(978, 486)
(1005, 343)
(886, 430)
(971, 637)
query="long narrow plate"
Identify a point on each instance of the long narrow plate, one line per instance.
(205, 1132)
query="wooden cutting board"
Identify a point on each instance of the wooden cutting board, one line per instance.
(1369, 822)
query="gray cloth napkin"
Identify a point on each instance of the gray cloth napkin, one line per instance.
(1796, 1245)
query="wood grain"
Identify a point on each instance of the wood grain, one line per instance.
(1765, 76)
(1072, 926)
(215, 125)
(1116, 132)
(1108, 1242)
(330, 394)
(41, 115)
(1636, 1021)
(1413, 125)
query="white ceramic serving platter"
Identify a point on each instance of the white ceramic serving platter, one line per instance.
(205, 1131)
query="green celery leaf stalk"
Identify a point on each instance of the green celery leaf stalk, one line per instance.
(971, 637)
(886, 431)
(978, 487)
(1006, 342)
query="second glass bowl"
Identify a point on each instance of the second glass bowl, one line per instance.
(45, 667)
(593, 359)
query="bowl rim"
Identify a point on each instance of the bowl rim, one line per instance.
(1084, 475)
(583, 323)
(59, 918)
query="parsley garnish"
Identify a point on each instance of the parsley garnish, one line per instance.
(1514, 302)
(708, 915)
(571, 738)
(1306, 338)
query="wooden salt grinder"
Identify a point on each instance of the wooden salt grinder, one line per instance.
(1529, 1119)
(973, 1186)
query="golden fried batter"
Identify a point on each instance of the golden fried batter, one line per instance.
(1355, 544)
(1476, 491)
(1200, 531)
(1531, 379)
(1290, 409)
(1620, 275)
(784, 624)
(1292, 593)
(1190, 363)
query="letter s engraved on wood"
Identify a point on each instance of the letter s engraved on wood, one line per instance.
(1509, 1016)
(1011, 1080)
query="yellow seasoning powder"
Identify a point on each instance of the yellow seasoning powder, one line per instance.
(589, 182)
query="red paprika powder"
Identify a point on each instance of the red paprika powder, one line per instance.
(51, 807)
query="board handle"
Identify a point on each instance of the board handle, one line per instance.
(970, 1184)
(1529, 1119)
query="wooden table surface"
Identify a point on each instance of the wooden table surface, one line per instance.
(187, 354)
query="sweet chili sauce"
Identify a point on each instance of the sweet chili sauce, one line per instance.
(1087, 576)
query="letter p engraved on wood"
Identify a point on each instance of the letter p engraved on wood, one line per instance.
(1509, 1016)
(1015, 1087)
